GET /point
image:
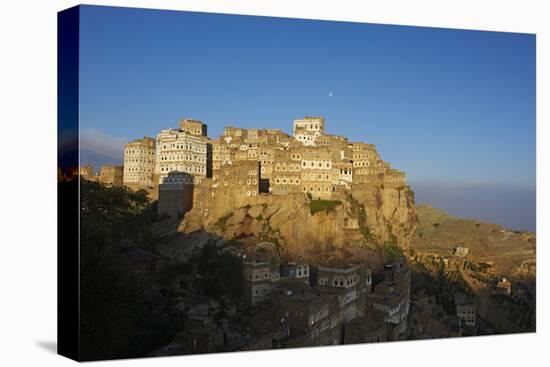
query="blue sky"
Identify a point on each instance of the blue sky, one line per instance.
(449, 107)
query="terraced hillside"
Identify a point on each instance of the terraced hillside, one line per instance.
(512, 252)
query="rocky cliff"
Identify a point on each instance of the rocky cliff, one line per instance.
(364, 216)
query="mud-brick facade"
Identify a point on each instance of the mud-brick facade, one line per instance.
(111, 175)
(317, 172)
(194, 127)
(308, 129)
(392, 297)
(286, 177)
(175, 194)
(260, 272)
(240, 179)
(350, 284)
(139, 163)
(86, 171)
(248, 162)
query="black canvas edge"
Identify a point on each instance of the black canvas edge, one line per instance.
(68, 262)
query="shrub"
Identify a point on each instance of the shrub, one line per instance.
(392, 251)
(365, 231)
(316, 206)
(221, 221)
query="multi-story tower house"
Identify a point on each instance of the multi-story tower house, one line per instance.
(465, 310)
(394, 178)
(241, 178)
(178, 150)
(260, 272)
(367, 164)
(317, 174)
(308, 129)
(194, 127)
(308, 312)
(86, 171)
(287, 171)
(350, 283)
(111, 175)
(392, 296)
(139, 162)
(298, 270)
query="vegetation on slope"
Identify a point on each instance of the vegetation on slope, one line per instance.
(439, 232)
(221, 273)
(316, 206)
(392, 251)
(117, 313)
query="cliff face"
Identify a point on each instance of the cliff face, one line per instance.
(362, 216)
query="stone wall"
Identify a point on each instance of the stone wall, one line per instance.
(175, 200)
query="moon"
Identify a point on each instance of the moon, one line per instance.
(330, 94)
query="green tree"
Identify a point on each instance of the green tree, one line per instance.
(114, 300)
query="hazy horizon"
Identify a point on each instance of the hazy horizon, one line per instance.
(453, 109)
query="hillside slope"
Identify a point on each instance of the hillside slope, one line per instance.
(513, 252)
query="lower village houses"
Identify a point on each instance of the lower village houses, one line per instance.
(297, 305)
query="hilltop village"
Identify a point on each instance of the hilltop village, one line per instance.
(248, 162)
(205, 181)
(259, 214)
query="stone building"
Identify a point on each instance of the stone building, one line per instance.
(240, 178)
(504, 286)
(139, 163)
(175, 194)
(181, 151)
(194, 127)
(317, 172)
(308, 129)
(264, 330)
(287, 171)
(392, 296)
(314, 163)
(308, 312)
(260, 271)
(460, 251)
(349, 276)
(111, 175)
(394, 178)
(183, 160)
(318, 165)
(349, 284)
(366, 329)
(298, 270)
(86, 171)
(465, 310)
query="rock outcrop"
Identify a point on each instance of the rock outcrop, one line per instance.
(366, 215)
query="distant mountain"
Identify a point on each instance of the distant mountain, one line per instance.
(512, 206)
(438, 232)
